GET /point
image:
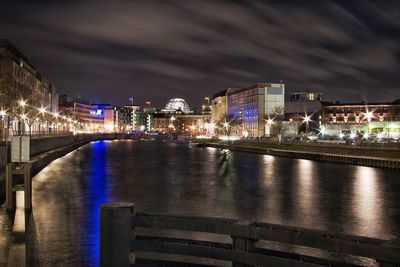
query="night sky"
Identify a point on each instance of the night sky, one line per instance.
(107, 51)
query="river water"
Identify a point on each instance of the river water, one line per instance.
(162, 177)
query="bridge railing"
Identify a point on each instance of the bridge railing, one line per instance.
(120, 241)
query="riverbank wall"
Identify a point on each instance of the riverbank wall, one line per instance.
(44, 150)
(376, 162)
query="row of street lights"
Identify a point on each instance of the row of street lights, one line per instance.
(42, 111)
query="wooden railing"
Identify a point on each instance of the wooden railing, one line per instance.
(121, 245)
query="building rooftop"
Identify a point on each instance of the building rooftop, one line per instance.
(248, 87)
(222, 93)
(5, 43)
(338, 104)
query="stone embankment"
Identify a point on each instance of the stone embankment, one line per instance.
(377, 162)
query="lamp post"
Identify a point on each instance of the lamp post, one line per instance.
(22, 104)
(42, 110)
(2, 117)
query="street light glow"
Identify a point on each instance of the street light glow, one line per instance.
(22, 103)
(226, 124)
(368, 115)
(42, 110)
(23, 116)
(3, 112)
(307, 119)
(322, 131)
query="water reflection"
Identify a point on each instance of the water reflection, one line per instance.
(97, 195)
(367, 200)
(306, 196)
(169, 178)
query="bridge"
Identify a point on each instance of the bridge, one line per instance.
(124, 243)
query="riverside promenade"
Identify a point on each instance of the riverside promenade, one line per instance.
(342, 154)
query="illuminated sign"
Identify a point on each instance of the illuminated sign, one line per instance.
(97, 112)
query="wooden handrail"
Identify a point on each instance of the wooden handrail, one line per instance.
(382, 250)
(243, 250)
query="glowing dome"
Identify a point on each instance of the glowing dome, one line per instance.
(178, 104)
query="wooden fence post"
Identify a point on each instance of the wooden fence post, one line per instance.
(10, 194)
(116, 234)
(243, 245)
(27, 186)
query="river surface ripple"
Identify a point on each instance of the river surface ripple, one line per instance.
(161, 177)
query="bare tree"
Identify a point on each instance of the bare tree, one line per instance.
(277, 123)
(229, 124)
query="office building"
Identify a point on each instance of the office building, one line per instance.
(252, 105)
(19, 80)
(374, 119)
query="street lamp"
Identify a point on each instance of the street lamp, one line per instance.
(22, 103)
(307, 119)
(42, 110)
(3, 113)
(368, 115)
(226, 125)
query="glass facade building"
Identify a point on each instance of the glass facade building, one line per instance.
(253, 104)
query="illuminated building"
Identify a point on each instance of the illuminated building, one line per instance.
(147, 117)
(252, 104)
(194, 124)
(304, 104)
(19, 79)
(177, 105)
(129, 118)
(361, 118)
(91, 118)
(205, 107)
(110, 117)
(219, 107)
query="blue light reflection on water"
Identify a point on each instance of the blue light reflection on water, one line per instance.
(163, 177)
(97, 195)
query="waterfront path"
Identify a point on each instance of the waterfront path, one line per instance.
(344, 154)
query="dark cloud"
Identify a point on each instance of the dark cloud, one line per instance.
(107, 51)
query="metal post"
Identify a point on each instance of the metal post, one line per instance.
(10, 195)
(27, 186)
(116, 234)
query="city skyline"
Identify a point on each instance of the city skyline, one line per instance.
(157, 51)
